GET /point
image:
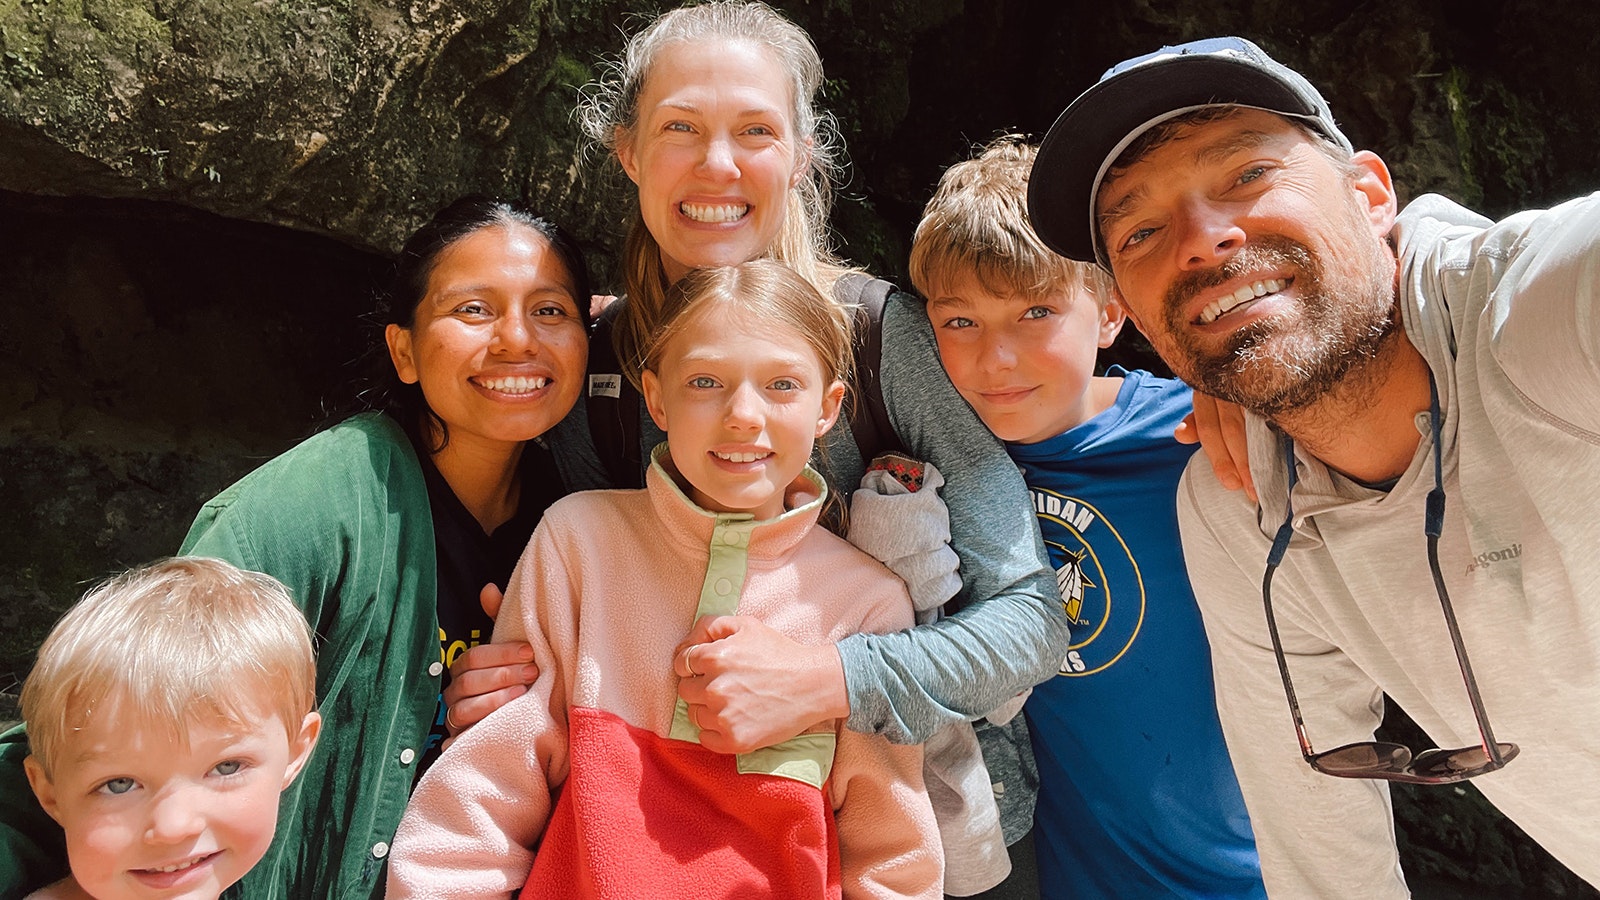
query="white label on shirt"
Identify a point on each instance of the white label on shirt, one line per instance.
(605, 385)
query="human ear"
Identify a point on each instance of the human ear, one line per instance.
(650, 387)
(1112, 315)
(399, 341)
(1127, 310)
(42, 788)
(1375, 191)
(622, 140)
(832, 399)
(301, 745)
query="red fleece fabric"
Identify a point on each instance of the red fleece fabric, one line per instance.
(639, 809)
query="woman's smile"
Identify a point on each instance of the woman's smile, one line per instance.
(714, 153)
(498, 344)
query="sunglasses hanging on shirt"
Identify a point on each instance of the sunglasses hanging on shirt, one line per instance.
(1382, 759)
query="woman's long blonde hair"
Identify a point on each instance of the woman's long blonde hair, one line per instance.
(609, 114)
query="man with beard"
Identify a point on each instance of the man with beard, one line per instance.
(1424, 432)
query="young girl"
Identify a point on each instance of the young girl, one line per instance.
(599, 764)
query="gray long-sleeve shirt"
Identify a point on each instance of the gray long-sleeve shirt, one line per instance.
(1011, 631)
(1507, 316)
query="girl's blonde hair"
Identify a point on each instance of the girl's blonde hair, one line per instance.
(164, 643)
(767, 290)
(609, 114)
(771, 291)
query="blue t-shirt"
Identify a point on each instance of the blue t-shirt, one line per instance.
(1137, 797)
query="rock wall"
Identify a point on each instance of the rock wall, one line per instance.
(356, 119)
(149, 355)
(351, 119)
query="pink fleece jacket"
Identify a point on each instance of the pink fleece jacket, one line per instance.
(593, 784)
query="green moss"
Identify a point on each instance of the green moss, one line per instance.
(1457, 98)
(22, 47)
(131, 28)
(570, 70)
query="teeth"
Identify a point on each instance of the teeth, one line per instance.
(740, 457)
(514, 385)
(703, 212)
(180, 866)
(1244, 294)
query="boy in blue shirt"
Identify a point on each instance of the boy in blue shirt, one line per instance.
(1137, 797)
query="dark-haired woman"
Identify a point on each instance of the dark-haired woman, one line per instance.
(386, 528)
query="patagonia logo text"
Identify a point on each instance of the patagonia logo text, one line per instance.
(1485, 560)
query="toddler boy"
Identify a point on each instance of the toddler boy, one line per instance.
(166, 712)
(1137, 797)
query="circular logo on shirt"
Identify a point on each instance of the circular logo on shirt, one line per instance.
(1101, 588)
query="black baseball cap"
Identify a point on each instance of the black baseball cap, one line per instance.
(1135, 95)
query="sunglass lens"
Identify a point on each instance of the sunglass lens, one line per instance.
(1394, 762)
(1373, 759)
(1456, 765)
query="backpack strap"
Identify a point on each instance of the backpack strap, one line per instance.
(613, 406)
(869, 417)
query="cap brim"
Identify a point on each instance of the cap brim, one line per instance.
(1063, 179)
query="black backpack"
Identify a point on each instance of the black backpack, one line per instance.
(869, 417)
(614, 407)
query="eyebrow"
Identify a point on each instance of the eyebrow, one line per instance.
(463, 289)
(949, 303)
(686, 106)
(1220, 150)
(714, 358)
(98, 755)
(1105, 220)
(1213, 152)
(472, 290)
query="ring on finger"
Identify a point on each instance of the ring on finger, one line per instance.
(694, 719)
(688, 661)
(449, 719)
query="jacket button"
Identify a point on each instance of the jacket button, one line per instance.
(380, 850)
(435, 668)
(407, 755)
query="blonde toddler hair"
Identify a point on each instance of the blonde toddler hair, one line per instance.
(164, 643)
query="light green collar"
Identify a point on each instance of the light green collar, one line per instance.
(661, 463)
